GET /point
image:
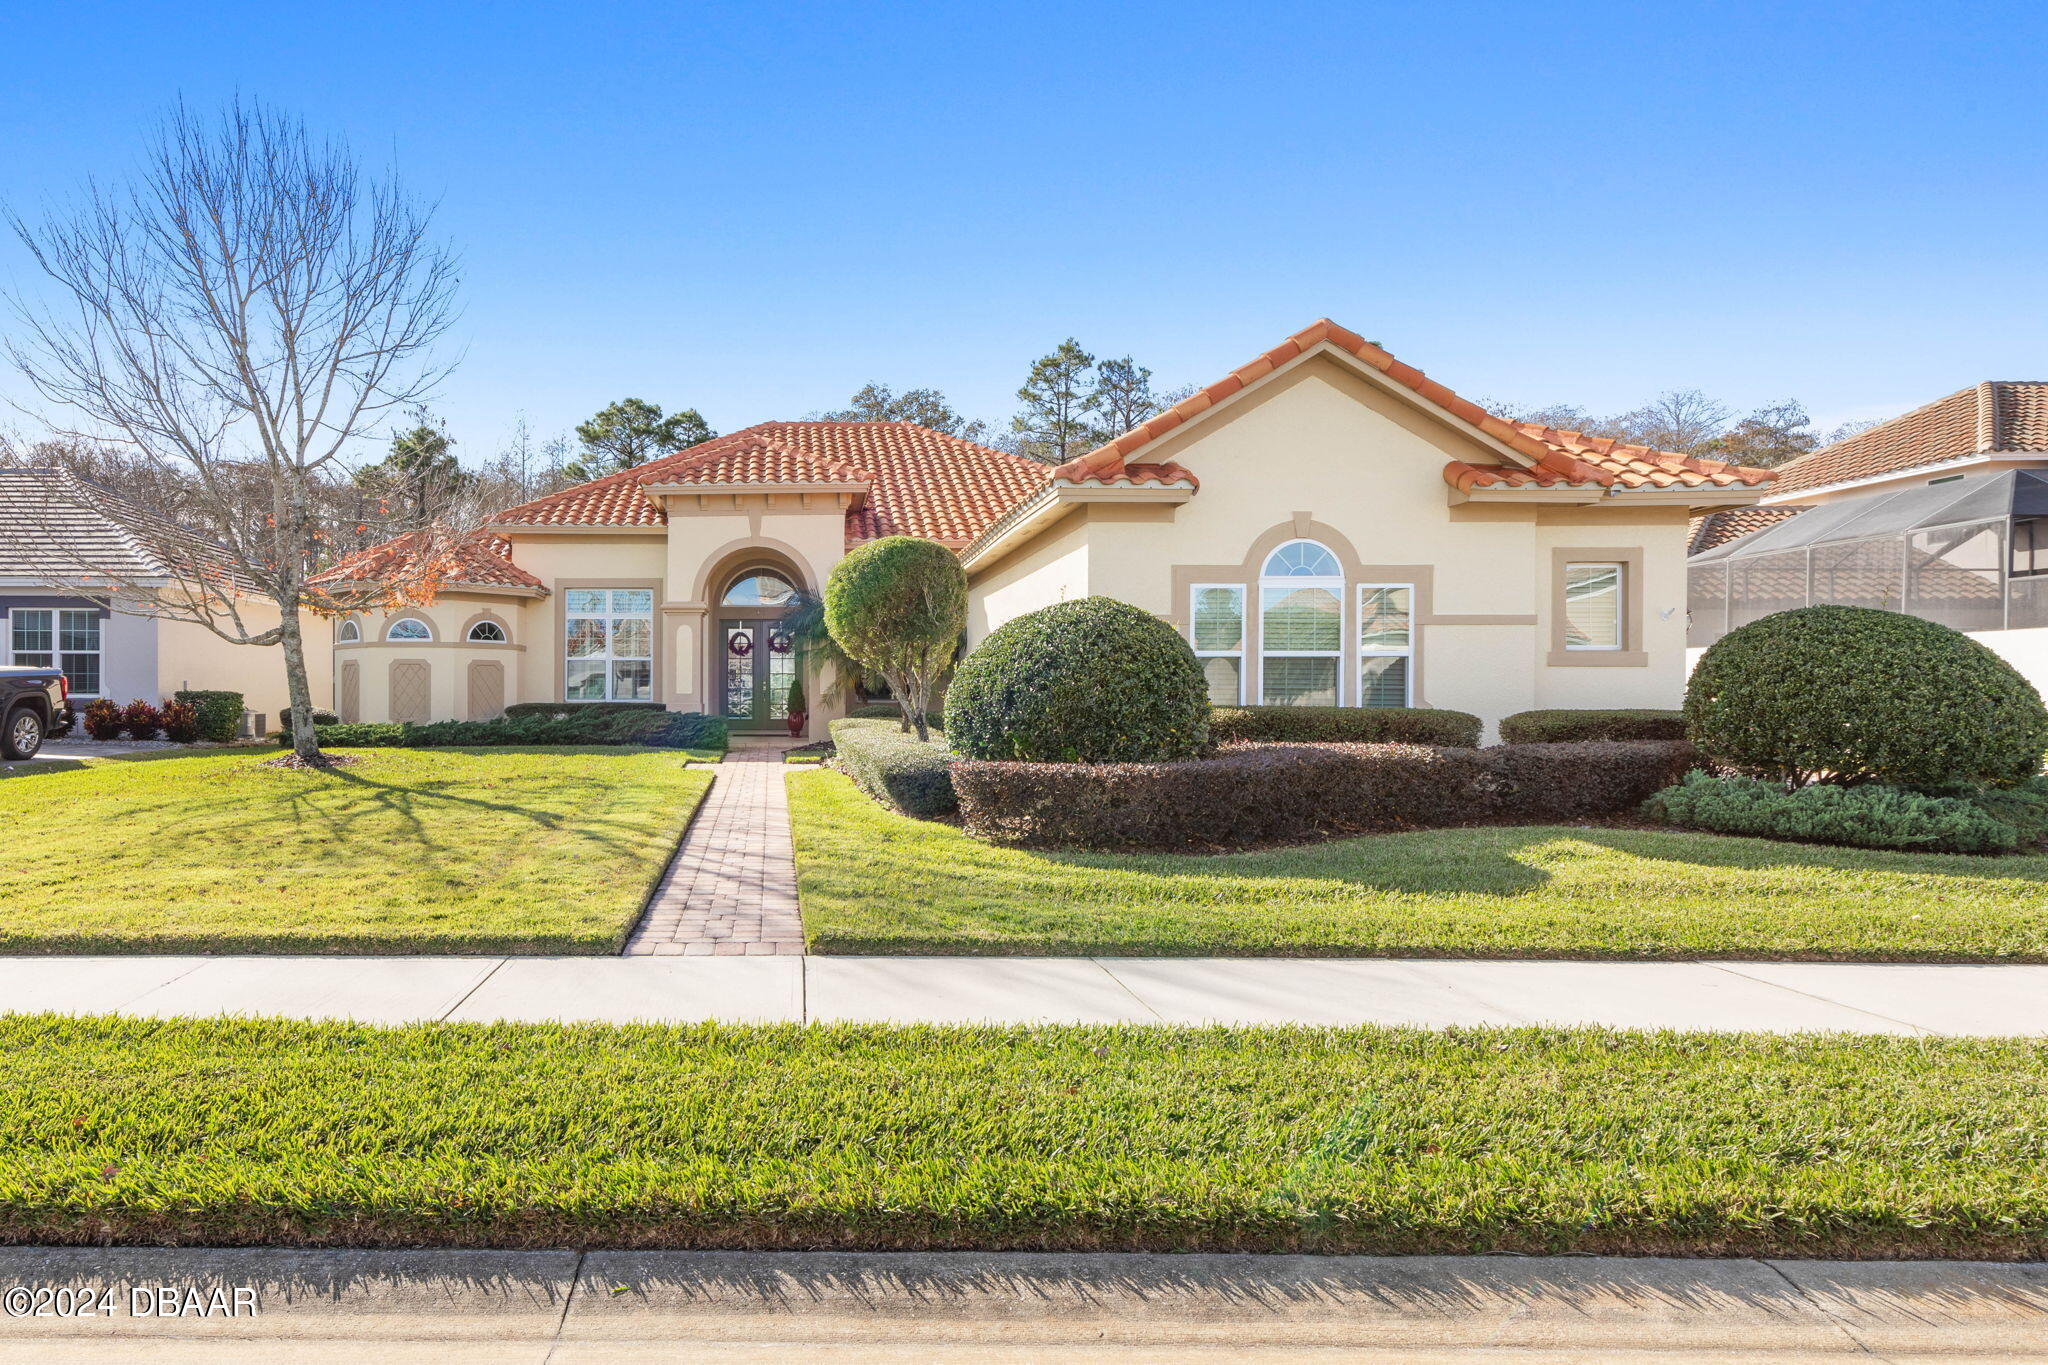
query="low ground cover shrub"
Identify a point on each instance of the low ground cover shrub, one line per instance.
(1344, 725)
(1566, 727)
(1284, 793)
(889, 710)
(102, 719)
(1867, 816)
(220, 713)
(896, 768)
(1853, 694)
(665, 729)
(1093, 680)
(284, 731)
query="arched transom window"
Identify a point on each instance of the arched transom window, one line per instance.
(487, 633)
(759, 590)
(409, 628)
(349, 633)
(1301, 625)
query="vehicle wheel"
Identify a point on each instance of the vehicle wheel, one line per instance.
(22, 735)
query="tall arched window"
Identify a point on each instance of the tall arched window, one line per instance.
(409, 628)
(1301, 625)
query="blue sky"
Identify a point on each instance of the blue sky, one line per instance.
(754, 209)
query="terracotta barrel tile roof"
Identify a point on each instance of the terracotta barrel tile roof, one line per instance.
(920, 482)
(481, 559)
(1555, 457)
(1733, 523)
(2007, 416)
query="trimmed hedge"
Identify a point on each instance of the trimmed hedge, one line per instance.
(1853, 694)
(666, 730)
(1572, 727)
(220, 713)
(579, 708)
(889, 710)
(897, 769)
(1094, 680)
(1286, 793)
(1869, 816)
(1344, 725)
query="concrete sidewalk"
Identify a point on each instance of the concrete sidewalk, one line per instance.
(1715, 996)
(449, 1307)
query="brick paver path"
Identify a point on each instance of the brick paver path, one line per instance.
(731, 889)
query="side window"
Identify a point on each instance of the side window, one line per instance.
(487, 632)
(1216, 621)
(1593, 606)
(1386, 644)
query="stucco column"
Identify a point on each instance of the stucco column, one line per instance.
(683, 626)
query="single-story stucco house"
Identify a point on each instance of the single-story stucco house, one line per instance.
(62, 554)
(1326, 525)
(1941, 512)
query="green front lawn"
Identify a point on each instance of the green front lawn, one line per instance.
(1356, 1140)
(406, 851)
(875, 881)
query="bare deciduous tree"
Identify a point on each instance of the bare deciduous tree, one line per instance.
(243, 313)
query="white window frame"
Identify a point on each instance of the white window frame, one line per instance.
(1336, 588)
(1380, 652)
(1244, 630)
(426, 626)
(503, 637)
(609, 658)
(349, 632)
(1620, 605)
(56, 653)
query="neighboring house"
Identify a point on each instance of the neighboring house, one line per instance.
(1941, 512)
(61, 554)
(1326, 525)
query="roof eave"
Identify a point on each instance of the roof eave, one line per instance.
(575, 528)
(1591, 495)
(1958, 462)
(1052, 502)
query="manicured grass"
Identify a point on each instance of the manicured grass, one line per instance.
(872, 880)
(1360, 1140)
(406, 851)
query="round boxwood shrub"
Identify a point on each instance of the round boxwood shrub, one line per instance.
(1089, 681)
(1852, 694)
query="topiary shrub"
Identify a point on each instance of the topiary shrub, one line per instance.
(1853, 694)
(1089, 681)
(898, 769)
(898, 605)
(1343, 725)
(1578, 727)
(1869, 816)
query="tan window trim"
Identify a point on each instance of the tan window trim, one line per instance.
(1631, 654)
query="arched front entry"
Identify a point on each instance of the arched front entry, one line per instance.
(754, 658)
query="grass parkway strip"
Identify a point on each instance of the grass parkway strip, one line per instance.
(404, 851)
(271, 1132)
(875, 881)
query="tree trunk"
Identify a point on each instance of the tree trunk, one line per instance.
(304, 742)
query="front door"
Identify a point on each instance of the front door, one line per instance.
(759, 662)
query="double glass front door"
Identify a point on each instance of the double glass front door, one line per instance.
(759, 665)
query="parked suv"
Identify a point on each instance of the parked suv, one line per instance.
(33, 703)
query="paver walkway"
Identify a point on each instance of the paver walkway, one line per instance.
(1760, 997)
(730, 891)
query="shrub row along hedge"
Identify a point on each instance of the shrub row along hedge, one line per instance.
(220, 713)
(1352, 725)
(896, 768)
(580, 708)
(1279, 793)
(1568, 727)
(665, 729)
(1870, 816)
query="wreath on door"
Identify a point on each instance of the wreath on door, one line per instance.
(741, 644)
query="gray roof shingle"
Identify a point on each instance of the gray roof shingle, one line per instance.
(54, 525)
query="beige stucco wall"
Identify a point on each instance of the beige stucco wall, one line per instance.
(447, 656)
(1324, 454)
(190, 655)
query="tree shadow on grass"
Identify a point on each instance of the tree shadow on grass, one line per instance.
(1506, 860)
